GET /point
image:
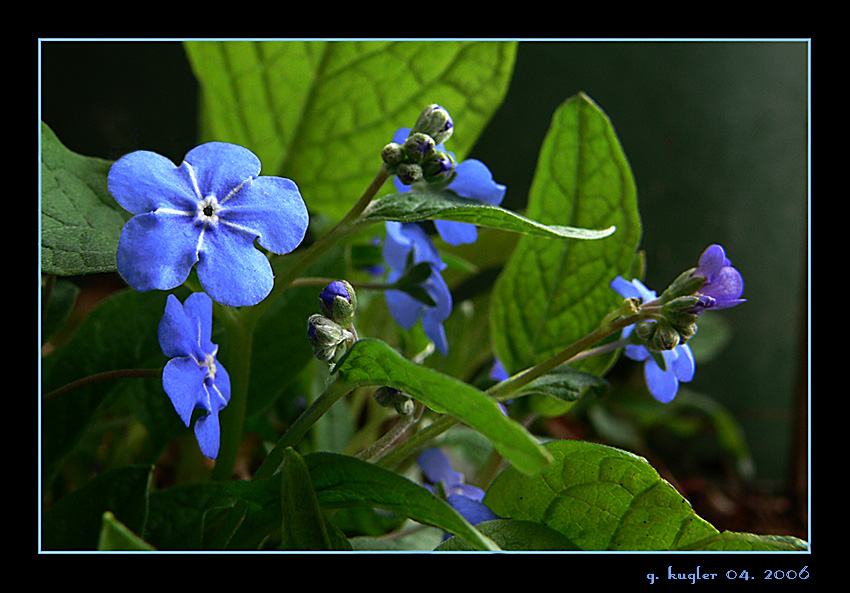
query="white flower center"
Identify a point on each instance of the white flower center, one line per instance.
(210, 364)
(208, 210)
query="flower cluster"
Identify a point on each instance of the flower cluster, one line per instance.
(193, 378)
(465, 499)
(208, 211)
(332, 332)
(662, 343)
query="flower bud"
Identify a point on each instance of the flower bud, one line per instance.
(388, 396)
(329, 340)
(686, 284)
(418, 147)
(436, 122)
(409, 173)
(665, 337)
(339, 302)
(643, 331)
(438, 167)
(392, 155)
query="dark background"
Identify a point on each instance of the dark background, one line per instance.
(716, 134)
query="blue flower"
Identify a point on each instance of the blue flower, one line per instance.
(473, 180)
(411, 241)
(208, 211)
(663, 383)
(724, 284)
(465, 499)
(193, 378)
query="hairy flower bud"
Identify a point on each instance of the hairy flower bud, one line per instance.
(438, 167)
(388, 396)
(418, 147)
(392, 155)
(436, 122)
(339, 302)
(409, 173)
(665, 337)
(329, 340)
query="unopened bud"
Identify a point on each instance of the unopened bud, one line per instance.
(436, 122)
(665, 337)
(392, 154)
(329, 340)
(339, 302)
(388, 396)
(438, 167)
(418, 147)
(686, 284)
(409, 173)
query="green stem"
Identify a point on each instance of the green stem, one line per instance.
(506, 389)
(299, 428)
(98, 377)
(240, 337)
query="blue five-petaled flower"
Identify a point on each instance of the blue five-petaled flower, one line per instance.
(403, 241)
(194, 378)
(473, 180)
(663, 384)
(208, 211)
(465, 498)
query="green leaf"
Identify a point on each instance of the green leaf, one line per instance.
(303, 522)
(319, 112)
(550, 292)
(342, 481)
(602, 498)
(445, 205)
(74, 522)
(372, 362)
(564, 383)
(115, 536)
(80, 221)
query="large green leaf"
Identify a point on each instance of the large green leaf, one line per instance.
(602, 498)
(419, 205)
(372, 362)
(319, 112)
(552, 292)
(80, 222)
(342, 481)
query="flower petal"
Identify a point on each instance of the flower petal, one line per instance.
(272, 208)
(198, 308)
(219, 167)
(231, 269)
(473, 511)
(684, 367)
(157, 250)
(208, 434)
(474, 180)
(177, 332)
(712, 260)
(726, 285)
(183, 382)
(663, 385)
(437, 467)
(456, 233)
(143, 181)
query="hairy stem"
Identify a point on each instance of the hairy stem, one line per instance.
(104, 376)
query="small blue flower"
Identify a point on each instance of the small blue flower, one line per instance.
(208, 211)
(473, 180)
(193, 378)
(411, 240)
(663, 384)
(724, 284)
(465, 499)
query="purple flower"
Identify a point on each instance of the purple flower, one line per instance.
(465, 499)
(473, 180)
(724, 284)
(208, 211)
(410, 242)
(193, 378)
(679, 364)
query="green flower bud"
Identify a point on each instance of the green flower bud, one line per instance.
(438, 167)
(685, 285)
(409, 173)
(665, 337)
(392, 155)
(329, 340)
(388, 396)
(436, 122)
(339, 302)
(418, 147)
(643, 331)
